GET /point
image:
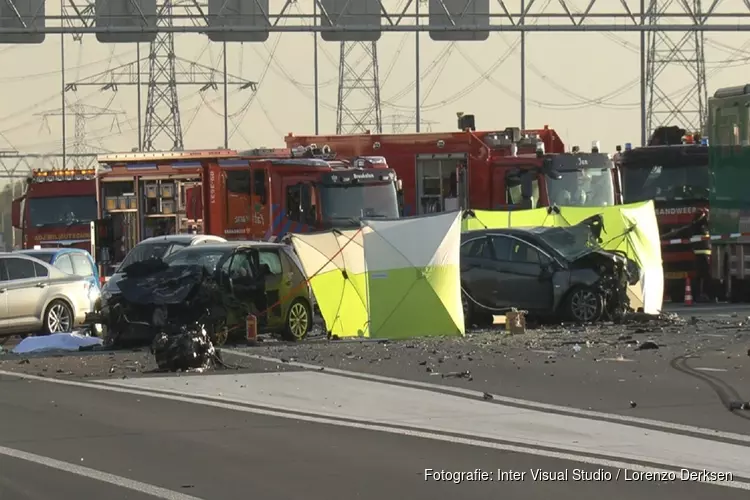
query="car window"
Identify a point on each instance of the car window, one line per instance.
(475, 248)
(501, 247)
(272, 260)
(40, 270)
(64, 264)
(240, 266)
(19, 269)
(146, 251)
(208, 260)
(82, 265)
(525, 253)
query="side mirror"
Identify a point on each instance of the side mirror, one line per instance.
(15, 213)
(399, 185)
(549, 171)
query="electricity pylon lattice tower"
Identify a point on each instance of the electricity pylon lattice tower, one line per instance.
(675, 58)
(80, 149)
(358, 106)
(162, 105)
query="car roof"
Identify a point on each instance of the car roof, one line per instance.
(188, 239)
(54, 250)
(228, 245)
(513, 231)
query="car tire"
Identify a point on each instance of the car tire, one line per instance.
(298, 320)
(58, 318)
(584, 304)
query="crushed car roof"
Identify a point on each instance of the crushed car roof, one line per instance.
(183, 238)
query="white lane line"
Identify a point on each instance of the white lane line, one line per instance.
(570, 457)
(707, 369)
(123, 482)
(504, 399)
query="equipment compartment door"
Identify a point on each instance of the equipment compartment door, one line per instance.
(260, 209)
(438, 187)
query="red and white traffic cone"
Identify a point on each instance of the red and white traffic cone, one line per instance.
(688, 292)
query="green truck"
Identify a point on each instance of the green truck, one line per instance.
(729, 160)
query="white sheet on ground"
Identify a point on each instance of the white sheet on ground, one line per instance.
(56, 342)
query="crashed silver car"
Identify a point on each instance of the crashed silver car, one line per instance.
(551, 272)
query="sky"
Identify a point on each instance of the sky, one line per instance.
(584, 85)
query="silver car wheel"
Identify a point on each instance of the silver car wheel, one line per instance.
(584, 305)
(58, 319)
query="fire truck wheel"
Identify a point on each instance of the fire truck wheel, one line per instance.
(584, 304)
(298, 320)
(58, 318)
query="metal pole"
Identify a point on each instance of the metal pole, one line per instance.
(62, 92)
(140, 110)
(643, 75)
(523, 70)
(226, 101)
(417, 91)
(315, 68)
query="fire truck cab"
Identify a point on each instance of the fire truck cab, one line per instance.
(264, 194)
(482, 170)
(57, 208)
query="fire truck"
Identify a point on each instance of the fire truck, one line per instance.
(483, 170)
(145, 194)
(673, 171)
(57, 209)
(260, 194)
(265, 194)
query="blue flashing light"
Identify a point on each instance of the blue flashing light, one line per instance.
(628, 146)
(704, 142)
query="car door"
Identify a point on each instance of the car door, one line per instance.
(531, 285)
(25, 291)
(499, 289)
(278, 284)
(476, 277)
(84, 267)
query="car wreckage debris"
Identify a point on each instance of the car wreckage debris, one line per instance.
(191, 349)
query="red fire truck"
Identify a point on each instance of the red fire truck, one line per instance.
(260, 194)
(57, 208)
(483, 170)
(673, 171)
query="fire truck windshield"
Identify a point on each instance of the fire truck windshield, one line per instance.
(61, 210)
(355, 201)
(656, 182)
(584, 187)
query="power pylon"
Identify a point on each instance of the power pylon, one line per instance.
(359, 85)
(166, 71)
(676, 58)
(82, 113)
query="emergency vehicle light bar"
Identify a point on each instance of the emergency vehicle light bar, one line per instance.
(75, 174)
(156, 156)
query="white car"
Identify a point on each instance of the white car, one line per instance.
(37, 297)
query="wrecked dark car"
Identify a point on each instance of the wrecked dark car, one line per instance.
(552, 272)
(174, 298)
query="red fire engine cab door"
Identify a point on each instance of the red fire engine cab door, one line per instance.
(260, 209)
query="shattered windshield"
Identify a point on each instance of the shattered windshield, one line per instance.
(146, 251)
(570, 242)
(359, 201)
(206, 258)
(684, 182)
(61, 210)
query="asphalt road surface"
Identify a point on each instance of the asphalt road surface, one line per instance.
(588, 405)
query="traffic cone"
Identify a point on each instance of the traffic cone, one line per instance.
(688, 292)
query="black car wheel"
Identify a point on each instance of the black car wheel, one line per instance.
(298, 321)
(584, 304)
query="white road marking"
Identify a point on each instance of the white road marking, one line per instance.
(123, 482)
(559, 455)
(338, 397)
(712, 433)
(707, 369)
